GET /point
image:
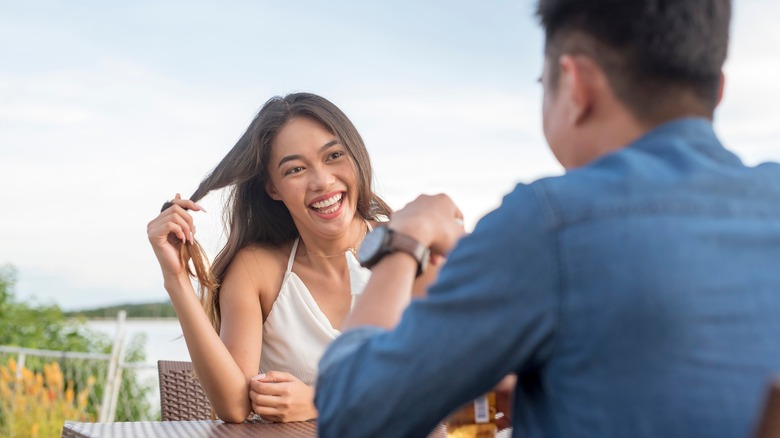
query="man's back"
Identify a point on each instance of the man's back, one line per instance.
(636, 296)
(669, 307)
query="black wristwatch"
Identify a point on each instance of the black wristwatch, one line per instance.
(383, 241)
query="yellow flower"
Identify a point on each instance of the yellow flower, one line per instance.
(37, 385)
(37, 404)
(27, 376)
(54, 378)
(5, 376)
(69, 394)
(81, 401)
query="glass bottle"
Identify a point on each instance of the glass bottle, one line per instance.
(476, 419)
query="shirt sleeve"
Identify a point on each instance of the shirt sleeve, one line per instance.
(492, 311)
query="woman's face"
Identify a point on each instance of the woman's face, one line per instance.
(314, 176)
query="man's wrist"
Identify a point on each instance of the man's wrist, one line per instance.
(417, 233)
(384, 241)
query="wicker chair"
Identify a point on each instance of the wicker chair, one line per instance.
(181, 396)
(769, 426)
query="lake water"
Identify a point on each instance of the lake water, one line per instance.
(163, 337)
(163, 342)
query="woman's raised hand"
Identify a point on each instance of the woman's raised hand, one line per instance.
(169, 230)
(280, 396)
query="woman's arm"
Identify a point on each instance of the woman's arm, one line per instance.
(220, 363)
(224, 366)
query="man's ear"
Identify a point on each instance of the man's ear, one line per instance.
(721, 87)
(577, 76)
(270, 188)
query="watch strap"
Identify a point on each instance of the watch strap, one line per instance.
(409, 245)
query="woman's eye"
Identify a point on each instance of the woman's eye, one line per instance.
(293, 170)
(335, 155)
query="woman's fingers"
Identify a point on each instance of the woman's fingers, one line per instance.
(175, 229)
(270, 388)
(183, 203)
(275, 376)
(159, 230)
(179, 211)
(280, 396)
(175, 215)
(184, 220)
(174, 218)
(270, 407)
(265, 400)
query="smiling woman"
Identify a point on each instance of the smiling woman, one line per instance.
(301, 200)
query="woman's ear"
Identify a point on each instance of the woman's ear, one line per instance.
(270, 188)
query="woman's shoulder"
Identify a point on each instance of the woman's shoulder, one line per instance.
(261, 265)
(267, 257)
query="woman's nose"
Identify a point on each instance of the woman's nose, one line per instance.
(321, 178)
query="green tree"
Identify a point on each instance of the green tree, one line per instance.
(44, 326)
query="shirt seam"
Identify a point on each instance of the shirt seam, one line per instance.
(555, 223)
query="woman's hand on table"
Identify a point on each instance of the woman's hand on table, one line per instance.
(281, 397)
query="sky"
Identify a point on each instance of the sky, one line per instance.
(107, 109)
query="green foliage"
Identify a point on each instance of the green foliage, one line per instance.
(47, 327)
(133, 403)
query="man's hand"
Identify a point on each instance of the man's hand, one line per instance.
(435, 221)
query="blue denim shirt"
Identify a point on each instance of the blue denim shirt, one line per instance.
(638, 296)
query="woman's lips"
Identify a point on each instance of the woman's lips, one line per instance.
(328, 207)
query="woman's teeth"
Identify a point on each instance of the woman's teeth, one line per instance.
(329, 205)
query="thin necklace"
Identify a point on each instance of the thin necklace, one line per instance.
(352, 249)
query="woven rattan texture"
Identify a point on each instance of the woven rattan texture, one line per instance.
(181, 396)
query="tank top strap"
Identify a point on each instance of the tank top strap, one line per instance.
(292, 256)
(368, 224)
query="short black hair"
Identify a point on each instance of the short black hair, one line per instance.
(650, 50)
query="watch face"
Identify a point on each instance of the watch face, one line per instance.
(371, 246)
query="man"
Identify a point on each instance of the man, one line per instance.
(636, 296)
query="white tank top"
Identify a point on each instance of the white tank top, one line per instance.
(296, 332)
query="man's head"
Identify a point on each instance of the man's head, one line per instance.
(661, 59)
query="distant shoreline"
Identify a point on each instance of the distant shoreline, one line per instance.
(159, 310)
(129, 318)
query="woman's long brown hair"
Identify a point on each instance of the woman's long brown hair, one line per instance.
(250, 215)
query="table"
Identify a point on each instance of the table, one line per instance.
(194, 429)
(198, 429)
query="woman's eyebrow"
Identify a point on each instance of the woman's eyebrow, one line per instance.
(329, 144)
(295, 156)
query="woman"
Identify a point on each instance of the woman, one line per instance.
(300, 204)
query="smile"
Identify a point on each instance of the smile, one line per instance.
(329, 205)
